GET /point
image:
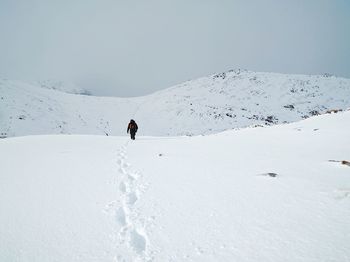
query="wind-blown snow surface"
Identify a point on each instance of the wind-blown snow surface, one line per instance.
(204, 198)
(234, 99)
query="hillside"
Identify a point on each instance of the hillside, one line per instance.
(234, 99)
(261, 194)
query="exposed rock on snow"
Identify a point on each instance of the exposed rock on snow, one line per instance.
(344, 162)
(269, 174)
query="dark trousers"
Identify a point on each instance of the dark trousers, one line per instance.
(132, 135)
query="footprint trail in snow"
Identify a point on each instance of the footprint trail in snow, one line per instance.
(131, 236)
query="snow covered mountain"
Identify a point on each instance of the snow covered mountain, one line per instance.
(234, 99)
(63, 86)
(278, 194)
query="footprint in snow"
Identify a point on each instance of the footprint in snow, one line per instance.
(120, 216)
(137, 241)
(122, 187)
(132, 198)
(131, 178)
(125, 165)
(122, 170)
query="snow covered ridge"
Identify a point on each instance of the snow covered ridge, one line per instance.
(234, 99)
(66, 87)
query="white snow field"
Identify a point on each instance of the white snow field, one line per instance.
(234, 99)
(202, 198)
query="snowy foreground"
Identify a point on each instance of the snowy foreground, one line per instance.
(204, 198)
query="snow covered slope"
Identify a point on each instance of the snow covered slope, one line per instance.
(29, 110)
(239, 99)
(203, 198)
(234, 99)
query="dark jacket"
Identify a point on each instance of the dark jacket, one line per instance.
(132, 127)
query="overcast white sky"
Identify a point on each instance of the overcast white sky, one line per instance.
(134, 47)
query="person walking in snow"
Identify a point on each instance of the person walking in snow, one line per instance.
(132, 127)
